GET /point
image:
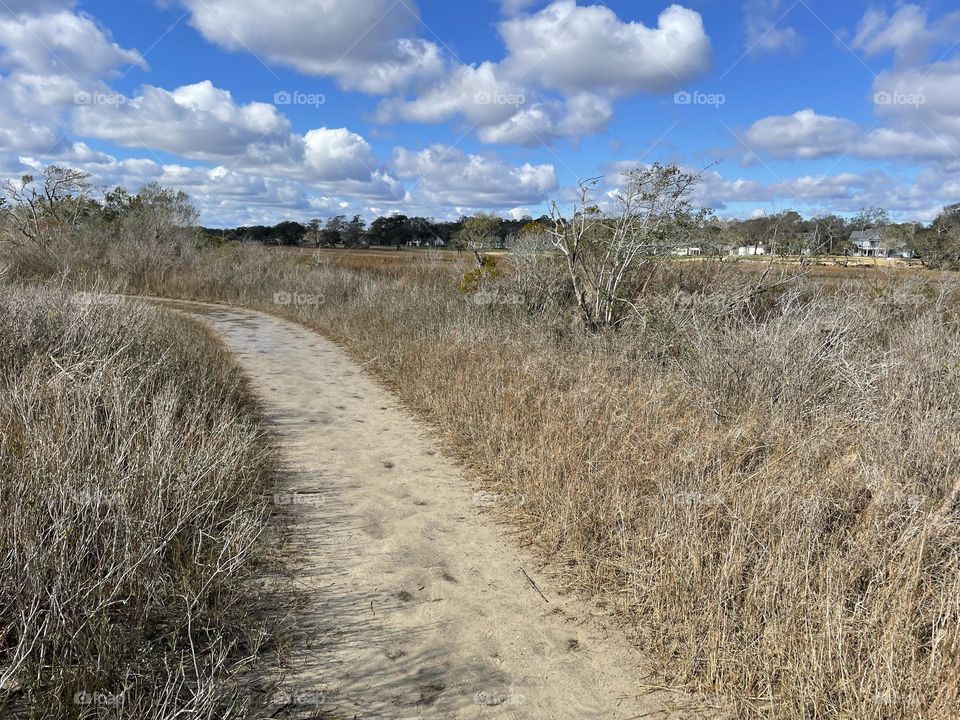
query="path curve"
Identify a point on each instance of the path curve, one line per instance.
(418, 605)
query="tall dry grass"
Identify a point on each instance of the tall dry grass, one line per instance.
(762, 486)
(134, 525)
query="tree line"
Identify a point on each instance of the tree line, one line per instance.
(386, 231)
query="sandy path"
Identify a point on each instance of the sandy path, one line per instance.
(418, 606)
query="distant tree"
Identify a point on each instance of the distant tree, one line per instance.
(871, 217)
(333, 231)
(939, 245)
(478, 234)
(786, 233)
(314, 230)
(831, 235)
(422, 231)
(390, 230)
(353, 231)
(288, 232)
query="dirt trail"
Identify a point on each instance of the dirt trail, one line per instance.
(419, 606)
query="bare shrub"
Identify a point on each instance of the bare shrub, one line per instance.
(537, 274)
(603, 251)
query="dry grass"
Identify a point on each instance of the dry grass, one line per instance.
(134, 525)
(763, 487)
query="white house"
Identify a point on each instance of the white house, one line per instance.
(748, 250)
(687, 252)
(875, 243)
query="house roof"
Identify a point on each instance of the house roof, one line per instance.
(864, 235)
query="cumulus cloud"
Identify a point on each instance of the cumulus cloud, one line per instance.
(447, 176)
(195, 121)
(338, 154)
(203, 122)
(49, 59)
(481, 94)
(923, 97)
(574, 49)
(842, 192)
(583, 114)
(564, 67)
(907, 32)
(366, 45)
(921, 131)
(61, 44)
(36, 7)
(803, 134)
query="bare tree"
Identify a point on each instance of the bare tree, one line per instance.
(478, 234)
(652, 217)
(46, 211)
(829, 235)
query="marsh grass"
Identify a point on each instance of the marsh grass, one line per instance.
(761, 487)
(135, 532)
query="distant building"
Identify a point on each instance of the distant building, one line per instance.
(874, 242)
(748, 250)
(687, 252)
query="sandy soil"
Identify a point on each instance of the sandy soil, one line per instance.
(418, 606)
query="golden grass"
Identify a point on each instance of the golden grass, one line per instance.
(758, 486)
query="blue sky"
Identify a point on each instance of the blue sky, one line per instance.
(264, 110)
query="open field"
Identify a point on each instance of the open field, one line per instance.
(760, 486)
(135, 532)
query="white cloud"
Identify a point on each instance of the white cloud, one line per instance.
(928, 131)
(574, 49)
(478, 93)
(48, 59)
(446, 176)
(61, 44)
(803, 134)
(766, 28)
(35, 7)
(906, 32)
(927, 97)
(564, 67)
(366, 45)
(537, 124)
(195, 121)
(338, 154)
